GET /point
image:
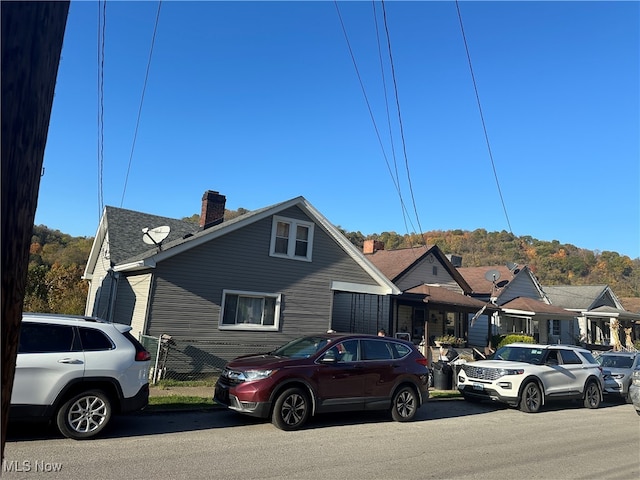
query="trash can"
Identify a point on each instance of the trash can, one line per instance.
(442, 376)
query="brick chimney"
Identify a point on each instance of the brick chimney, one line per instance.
(372, 246)
(212, 209)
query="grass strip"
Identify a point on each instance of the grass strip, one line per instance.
(178, 402)
(445, 394)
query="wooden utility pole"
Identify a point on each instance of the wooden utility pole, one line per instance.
(32, 34)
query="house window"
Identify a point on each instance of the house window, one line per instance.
(291, 238)
(249, 311)
(435, 271)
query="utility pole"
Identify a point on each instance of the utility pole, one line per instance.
(32, 35)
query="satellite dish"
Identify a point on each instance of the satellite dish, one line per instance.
(155, 236)
(492, 275)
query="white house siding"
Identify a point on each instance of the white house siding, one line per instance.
(359, 312)
(423, 274)
(187, 289)
(98, 300)
(131, 307)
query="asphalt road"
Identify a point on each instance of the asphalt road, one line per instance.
(450, 439)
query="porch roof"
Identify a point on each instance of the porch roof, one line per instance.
(611, 312)
(444, 296)
(531, 307)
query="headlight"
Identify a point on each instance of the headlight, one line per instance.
(250, 375)
(510, 371)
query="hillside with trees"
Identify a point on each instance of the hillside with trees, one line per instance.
(57, 261)
(54, 278)
(552, 262)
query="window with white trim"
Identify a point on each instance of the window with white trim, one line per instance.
(291, 238)
(554, 327)
(249, 311)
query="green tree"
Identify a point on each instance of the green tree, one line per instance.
(67, 292)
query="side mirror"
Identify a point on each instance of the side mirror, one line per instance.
(329, 357)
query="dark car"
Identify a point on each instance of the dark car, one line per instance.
(326, 373)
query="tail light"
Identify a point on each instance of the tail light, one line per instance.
(142, 356)
(422, 361)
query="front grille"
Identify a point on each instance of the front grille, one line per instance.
(481, 373)
(230, 378)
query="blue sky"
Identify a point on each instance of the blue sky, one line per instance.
(261, 102)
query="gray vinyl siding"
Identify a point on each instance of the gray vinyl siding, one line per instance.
(479, 332)
(422, 274)
(520, 286)
(187, 288)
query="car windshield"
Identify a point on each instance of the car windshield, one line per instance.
(302, 347)
(615, 361)
(519, 354)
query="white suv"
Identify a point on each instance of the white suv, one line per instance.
(77, 371)
(527, 375)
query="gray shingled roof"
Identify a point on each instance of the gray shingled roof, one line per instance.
(125, 232)
(189, 236)
(574, 297)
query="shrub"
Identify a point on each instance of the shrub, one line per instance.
(515, 338)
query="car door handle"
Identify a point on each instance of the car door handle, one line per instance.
(73, 361)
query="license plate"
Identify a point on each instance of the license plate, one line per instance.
(478, 386)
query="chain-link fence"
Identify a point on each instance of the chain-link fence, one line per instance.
(191, 359)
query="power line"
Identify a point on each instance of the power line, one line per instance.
(386, 103)
(144, 88)
(375, 126)
(484, 126)
(102, 22)
(404, 145)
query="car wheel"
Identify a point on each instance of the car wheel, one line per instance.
(291, 409)
(592, 395)
(531, 398)
(84, 415)
(405, 405)
(627, 396)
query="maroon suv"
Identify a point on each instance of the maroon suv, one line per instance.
(326, 373)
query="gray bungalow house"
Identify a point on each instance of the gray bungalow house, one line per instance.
(595, 306)
(524, 307)
(225, 288)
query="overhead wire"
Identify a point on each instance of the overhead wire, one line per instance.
(102, 22)
(397, 98)
(144, 88)
(484, 126)
(394, 179)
